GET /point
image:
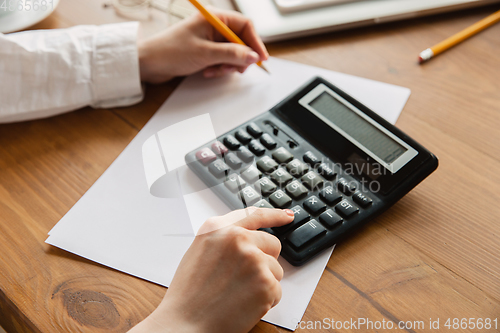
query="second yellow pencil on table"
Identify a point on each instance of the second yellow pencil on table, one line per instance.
(222, 28)
(459, 37)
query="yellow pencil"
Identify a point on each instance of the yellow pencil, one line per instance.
(459, 37)
(221, 27)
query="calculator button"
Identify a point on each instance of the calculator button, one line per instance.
(234, 183)
(256, 147)
(263, 204)
(313, 205)
(306, 233)
(218, 168)
(327, 172)
(243, 136)
(265, 186)
(330, 219)
(249, 196)
(310, 158)
(281, 177)
(254, 130)
(362, 199)
(205, 156)
(244, 154)
(312, 180)
(279, 199)
(233, 161)
(267, 164)
(268, 141)
(345, 186)
(219, 148)
(346, 209)
(231, 142)
(296, 190)
(282, 155)
(297, 168)
(251, 175)
(329, 195)
(300, 215)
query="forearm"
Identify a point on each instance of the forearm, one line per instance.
(44, 73)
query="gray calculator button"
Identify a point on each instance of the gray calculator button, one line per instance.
(233, 161)
(267, 164)
(346, 209)
(279, 199)
(245, 155)
(249, 196)
(265, 186)
(281, 177)
(362, 199)
(242, 136)
(297, 168)
(281, 155)
(326, 171)
(296, 190)
(263, 204)
(312, 180)
(251, 174)
(234, 183)
(330, 195)
(218, 168)
(256, 147)
(254, 130)
(306, 233)
(346, 186)
(330, 219)
(310, 158)
(231, 142)
(268, 141)
(313, 205)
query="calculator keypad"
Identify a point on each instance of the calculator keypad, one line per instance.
(259, 172)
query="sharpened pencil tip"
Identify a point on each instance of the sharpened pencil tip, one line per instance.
(264, 68)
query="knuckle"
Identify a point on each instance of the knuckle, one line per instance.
(251, 256)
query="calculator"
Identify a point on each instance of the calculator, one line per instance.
(331, 160)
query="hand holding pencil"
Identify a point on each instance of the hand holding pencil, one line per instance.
(194, 45)
(222, 28)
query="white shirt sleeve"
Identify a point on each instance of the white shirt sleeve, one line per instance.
(48, 72)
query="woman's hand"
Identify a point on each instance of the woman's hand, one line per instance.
(228, 278)
(193, 45)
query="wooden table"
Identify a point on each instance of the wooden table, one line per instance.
(434, 255)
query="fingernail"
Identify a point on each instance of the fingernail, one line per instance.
(252, 57)
(289, 212)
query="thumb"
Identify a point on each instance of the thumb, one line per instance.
(230, 53)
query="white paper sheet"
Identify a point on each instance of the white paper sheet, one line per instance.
(120, 224)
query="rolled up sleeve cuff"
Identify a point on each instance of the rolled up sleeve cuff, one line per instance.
(115, 72)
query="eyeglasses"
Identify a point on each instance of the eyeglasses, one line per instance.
(140, 9)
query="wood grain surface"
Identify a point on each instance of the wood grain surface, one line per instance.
(435, 254)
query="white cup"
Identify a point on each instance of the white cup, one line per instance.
(8, 7)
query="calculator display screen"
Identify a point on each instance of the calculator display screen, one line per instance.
(358, 128)
(361, 130)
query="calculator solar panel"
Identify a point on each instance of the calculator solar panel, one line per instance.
(321, 163)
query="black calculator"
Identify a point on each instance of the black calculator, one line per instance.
(335, 163)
